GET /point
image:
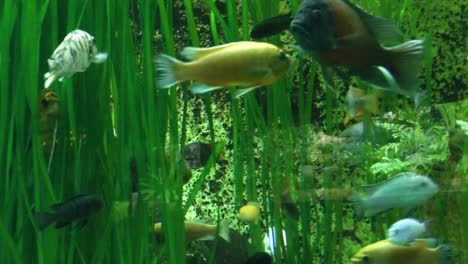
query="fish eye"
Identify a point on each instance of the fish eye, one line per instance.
(44, 102)
(316, 15)
(365, 259)
(282, 55)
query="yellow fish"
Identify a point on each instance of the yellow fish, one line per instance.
(245, 63)
(200, 231)
(249, 213)
(358, 101)
(421, 251)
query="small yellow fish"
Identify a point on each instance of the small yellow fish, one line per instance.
(419, 252)
(48, 116)
(244, 63)
(358, 101)
(249, 213)
(200, 231)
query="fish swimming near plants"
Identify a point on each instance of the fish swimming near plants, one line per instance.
(271, 26)
(75, 54)
(78, 208)
(359, 101)
(200, 231)
(338, 33)
(260, 258)
(406, 231)
(421, 251)
(246, 64)
(249, 213)
(405, 190)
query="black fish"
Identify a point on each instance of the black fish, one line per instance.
(260, 258)
(79, 207)
(339, 33)
(271, 26)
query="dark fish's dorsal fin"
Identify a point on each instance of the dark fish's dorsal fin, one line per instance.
(372, 188)
(383, 30)
(58, 205)
(60, 224)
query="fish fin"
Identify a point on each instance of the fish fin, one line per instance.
(61, 224)
(445, 254)
(240, 92)
(358, 204)
(194, 53)
(404, 64)
(207, 237)
(429, 242)
(43, 219)
(167, 71)
(49, 79)
(81, 224)
(372, 188)
(271, 26)
(201, 88)
(99, 58)
(372, 103)
(224, 230)
(383, 30)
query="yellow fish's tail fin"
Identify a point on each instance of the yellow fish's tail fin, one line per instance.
(166, 67)
(224, 230)
(372, 103)
(49, 79)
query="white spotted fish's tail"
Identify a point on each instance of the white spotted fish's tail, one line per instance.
(167, 66)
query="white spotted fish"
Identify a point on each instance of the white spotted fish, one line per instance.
(76, 52)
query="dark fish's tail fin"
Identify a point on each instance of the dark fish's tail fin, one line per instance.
(404, 62)
(445, 254)
(44, 219)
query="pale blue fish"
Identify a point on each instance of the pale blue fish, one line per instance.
(405, 190)
(406, 231)
(76, 52)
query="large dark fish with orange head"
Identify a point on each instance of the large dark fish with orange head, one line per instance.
(340, 34)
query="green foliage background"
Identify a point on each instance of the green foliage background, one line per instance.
(113, 112)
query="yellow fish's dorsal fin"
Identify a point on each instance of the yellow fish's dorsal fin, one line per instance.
(254, 204)
(193, 53)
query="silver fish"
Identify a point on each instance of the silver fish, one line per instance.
(405, 231)
(405, 190)
(76, 52)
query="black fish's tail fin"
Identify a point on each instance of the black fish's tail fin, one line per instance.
(44, 219)
(404, 62)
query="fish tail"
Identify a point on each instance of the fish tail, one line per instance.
(358, 205)
(372, 103)
(224, 230)
(49, 79)
(167, 68)
(44, 219)
(445, 254)
(404, 62)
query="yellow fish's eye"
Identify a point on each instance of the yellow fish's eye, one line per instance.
(365, 259)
